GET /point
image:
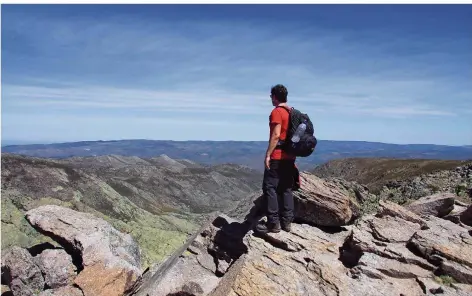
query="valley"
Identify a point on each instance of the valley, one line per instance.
(159, 201)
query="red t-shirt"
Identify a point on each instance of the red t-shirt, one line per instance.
(280, 116)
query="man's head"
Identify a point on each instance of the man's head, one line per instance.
(278, 94)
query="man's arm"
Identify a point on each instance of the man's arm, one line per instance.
(274, 139)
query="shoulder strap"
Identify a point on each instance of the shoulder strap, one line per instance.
(286, 108)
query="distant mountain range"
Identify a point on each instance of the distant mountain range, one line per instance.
(248, 153)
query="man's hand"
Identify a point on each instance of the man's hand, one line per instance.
(267, 162)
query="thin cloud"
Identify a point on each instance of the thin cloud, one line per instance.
(198, 71)
(24, 97)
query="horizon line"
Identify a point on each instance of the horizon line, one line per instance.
(27, 143)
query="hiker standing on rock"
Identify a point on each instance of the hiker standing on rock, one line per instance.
(279, 167)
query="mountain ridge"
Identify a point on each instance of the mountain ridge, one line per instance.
(249, 153)
(403, 180)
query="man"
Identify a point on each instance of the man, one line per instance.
(279, 167)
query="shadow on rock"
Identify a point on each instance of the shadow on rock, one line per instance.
(181, 294)
(227, 243)
(350, 253)
(38, 249)
(256, 212)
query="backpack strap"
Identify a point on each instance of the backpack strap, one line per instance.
(286, 108)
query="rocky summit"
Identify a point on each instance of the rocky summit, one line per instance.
(391, 252)
(345, 240)
(336, 246)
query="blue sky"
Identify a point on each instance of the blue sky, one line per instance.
(387, 73)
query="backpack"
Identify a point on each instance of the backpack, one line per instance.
(308, 141)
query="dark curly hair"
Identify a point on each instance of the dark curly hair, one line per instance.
(280, 92)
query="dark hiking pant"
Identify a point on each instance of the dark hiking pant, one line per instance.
(277, 189)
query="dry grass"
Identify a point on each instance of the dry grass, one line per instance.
(376, 172)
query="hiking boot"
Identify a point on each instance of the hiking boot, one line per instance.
(287, 226)
(268, 227)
